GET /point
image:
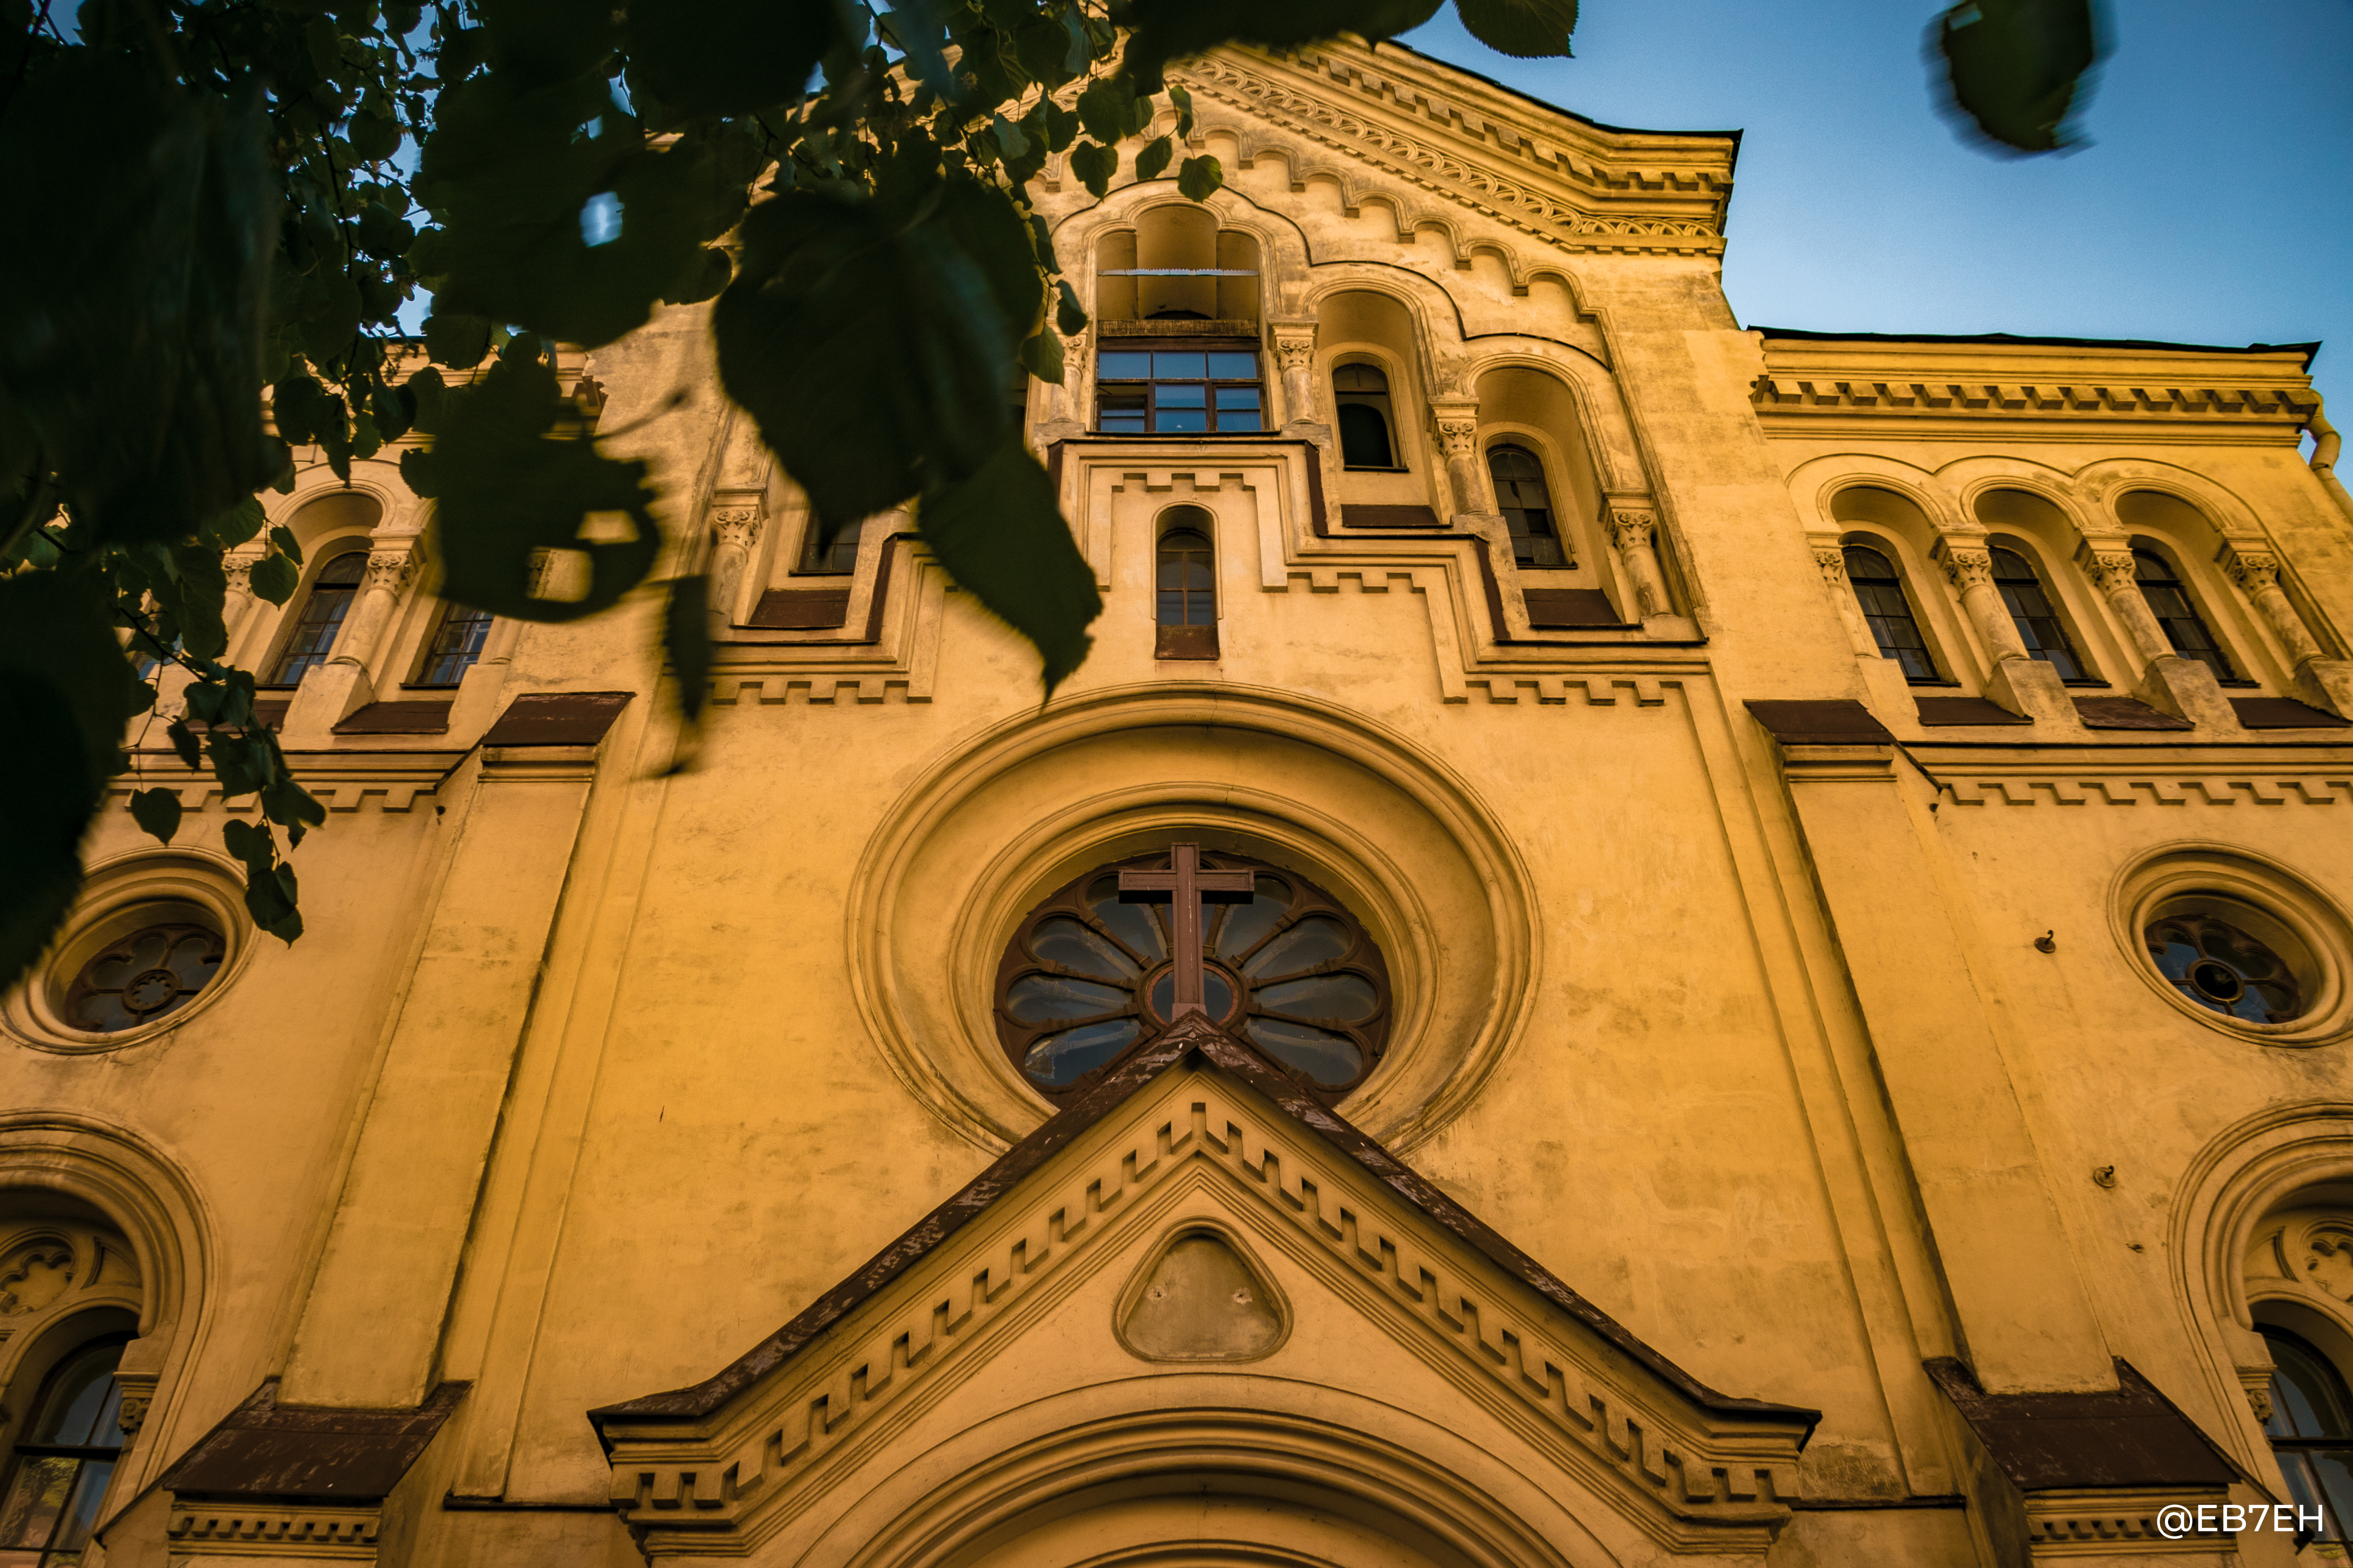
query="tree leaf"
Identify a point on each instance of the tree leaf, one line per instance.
(157, 811)
(1152, 158)
(269, 887)
(2020, 68)
(872, 351)
(1104, 108)
(63, 686)
(1168, 29)
(727, 56)
(458, 341)
(227, 530)
(1094, 165)
(1001, 536)
(515, 479)
(273, 578)
(281, 539)
(1070, 316)
(1183, 102)
(1530, 29)
(1198, 178)
(1041, 356)
(686, 640)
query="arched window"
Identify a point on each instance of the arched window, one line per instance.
(1361, 392)
(1185, 590)
(2031, 612)
(2311, 1428)
(1880, 592)
(457, 644)
(1526, 505)
(322, 615)
(1088, 976)
(64, 1457)
(835, 557)
(2170, 602)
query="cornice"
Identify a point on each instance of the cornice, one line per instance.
(1573, 185)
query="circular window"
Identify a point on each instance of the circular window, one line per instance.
(2239, 942)
(1088, 977)
(2221, 966)
(143, 976)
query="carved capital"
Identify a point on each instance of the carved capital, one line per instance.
(240, 569)
(1967, 568)
(2255, 570)
(390, 570)
(1631, 530)
(1459, 435)
(2112, 570)
(131, 1414)
(1831, 559)
(738, 527)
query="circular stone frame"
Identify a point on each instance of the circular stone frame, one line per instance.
(2271, 902)
(1394, 836)
(119, 896)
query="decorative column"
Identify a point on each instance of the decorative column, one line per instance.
(1068, 403)
(1458, 435)
(1634, 531)
(1831, 559)
(1294, 355)
(2317, 678)
(2167, 681)
(736, 534)
(2113, 571)
(1969, 567)
(388, 572)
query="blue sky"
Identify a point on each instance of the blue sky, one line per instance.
(2210, 205)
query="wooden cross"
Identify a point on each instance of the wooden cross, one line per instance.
(1186, 887)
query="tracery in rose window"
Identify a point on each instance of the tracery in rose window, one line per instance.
(1087, 978)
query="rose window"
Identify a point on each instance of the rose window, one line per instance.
(1087, 977)
(142, 976)
(2218, 965)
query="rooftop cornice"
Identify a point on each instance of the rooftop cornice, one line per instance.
(1576, 185)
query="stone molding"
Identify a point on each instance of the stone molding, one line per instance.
(1522, 204)
(1683, 1473)
(2173, 786)
(2061, 1524)
(2000, 400)
(247, 1530)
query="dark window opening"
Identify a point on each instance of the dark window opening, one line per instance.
(456, 645)
(1362, 395)
(329, 601)
(1880, 592)
(1183, 392)
(1185, 590)
(835, 557)
(64, 1460)
(2030, 611)
(2168, 601)
(2311, 1428)
(1526, 505)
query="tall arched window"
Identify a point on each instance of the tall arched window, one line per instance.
(64, 1457)
(1880, 592)
(1185, 588)
(1526, 505)
(2170, 602)
(1361, 393)
(457, 644)
(2030, 611)
(2311, 1428)
(329, 600)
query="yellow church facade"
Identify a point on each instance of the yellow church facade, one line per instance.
(1641, 942)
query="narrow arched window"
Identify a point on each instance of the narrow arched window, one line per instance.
(1526, 505)
(1880, 592)
(2311, 1428)
(2168, 601)
(2031, 612)
(1186, 607)
(835, 557)
(456, 645)
(329, 600)
(1361, 393)
(64, 1457)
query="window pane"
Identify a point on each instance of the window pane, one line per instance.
(1179, 366)
(73, 1532)
(1112, 366)
(36, 1498)
(1060, 1059)
(1237, 397)
(1359, 378)
(81, 1389)
(1190, 394)
(1182, 421)
(2308, 1396)
(1364, 437)
(456, 645)
(2031, 612)
(1231, 367)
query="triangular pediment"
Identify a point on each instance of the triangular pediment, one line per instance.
(1194, 1233)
